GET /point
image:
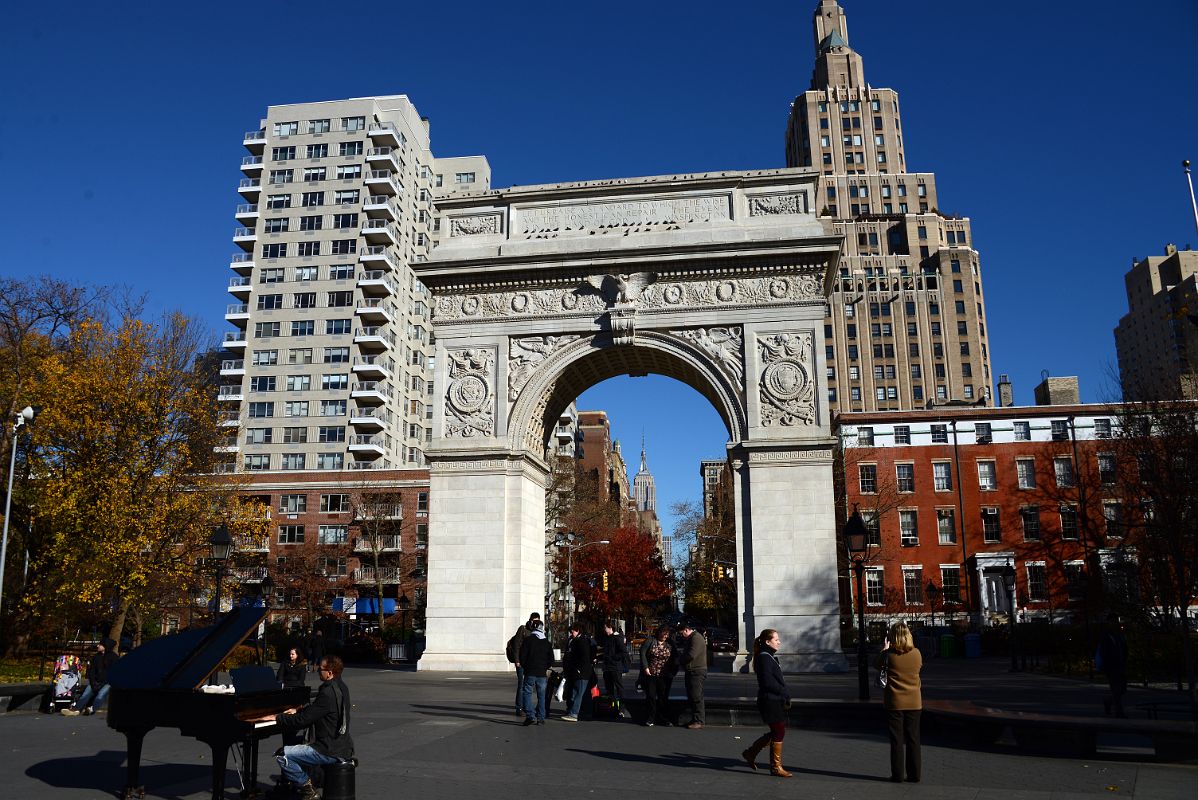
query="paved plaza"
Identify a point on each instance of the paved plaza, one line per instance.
(445, 735)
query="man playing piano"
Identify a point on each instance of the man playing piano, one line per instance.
(328, 716)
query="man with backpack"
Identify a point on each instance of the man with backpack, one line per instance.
(536, 656)
(513, 657)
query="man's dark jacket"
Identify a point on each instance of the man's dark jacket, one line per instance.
(323, 717)
(97, 667)
(614, 651)
(536, 656)
(580, 659)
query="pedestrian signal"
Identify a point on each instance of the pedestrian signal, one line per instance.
(605, 580)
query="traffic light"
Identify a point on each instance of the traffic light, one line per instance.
(719, 572)
(605, 580)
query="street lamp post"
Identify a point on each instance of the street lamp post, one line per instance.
(221, 544)
(857, 535)
(24, 417)
(267, 589)
(570, 548)
(1008, 579)
(404, 606)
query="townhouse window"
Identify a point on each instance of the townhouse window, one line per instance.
(299, 355)
(909, 528)
(875, 590)
(328, 434)
(311, 223)
(422, 501)
(987, 476)
(318, 126)
(873, 528)
(939, 434)
(260, 409)
(1102, 428)
(1060, 430)
(337, 327)
(1063, 468)
(865, 436)
(946, 526)
(950, 584)
(868, 475)
(1023, 431)
(257, 462)
(303, 327)
(304, 274)
(1075, 579)
(1029, 516)
(1068, 522)
(902, 433)
(1106, 468)
(332, 408)
(303, 300)
(259, 435)
(983, 433)
(308, 249)
(1025, 473)
(1112, 515)
(265, 358)
(334, 382)
(942, 476)
(266, 330)
(312, 199)
(913, 586)
(349, 149)
(334, 503)
(991, 526)
(293, 503)
(905, 477)
(318, 150)
(293, 461)
(291, 534)
(1037, 584)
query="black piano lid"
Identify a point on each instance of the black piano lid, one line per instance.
(184, 660)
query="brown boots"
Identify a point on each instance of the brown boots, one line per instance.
(308, 791)
(750, 755)
(776, 761)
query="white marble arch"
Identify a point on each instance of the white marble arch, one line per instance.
(717, 280)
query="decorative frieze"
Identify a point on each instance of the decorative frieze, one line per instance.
(470, 398)
(771, 204)
(474, 226)
(787, 387)
(525, 355)
(760, 456)
(726, 346)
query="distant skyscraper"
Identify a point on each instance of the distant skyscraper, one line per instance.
(907, 323)
(1157, 340)
(643, 487)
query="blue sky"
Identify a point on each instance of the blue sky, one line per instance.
(1059, 128)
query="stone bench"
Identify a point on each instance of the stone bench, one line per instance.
(1060, 735)
(15, 696)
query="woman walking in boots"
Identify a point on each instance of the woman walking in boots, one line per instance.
(772, 701)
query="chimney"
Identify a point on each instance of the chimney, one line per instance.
(1058, 392)
(1006, 393)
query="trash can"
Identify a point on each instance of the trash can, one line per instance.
(973, 645)
(948, 645)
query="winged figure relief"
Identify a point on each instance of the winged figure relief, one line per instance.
(617, 289)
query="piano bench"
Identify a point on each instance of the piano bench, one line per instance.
(339, 781)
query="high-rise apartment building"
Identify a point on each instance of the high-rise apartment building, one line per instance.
(330, 366)
(907, 323)
(1157, 340)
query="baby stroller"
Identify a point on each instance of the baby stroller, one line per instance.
(68, 682)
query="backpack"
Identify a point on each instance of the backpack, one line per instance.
(513, 648)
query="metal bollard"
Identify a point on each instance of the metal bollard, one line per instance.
(339, 781)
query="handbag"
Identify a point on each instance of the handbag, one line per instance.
(883, 673)
(560, 694)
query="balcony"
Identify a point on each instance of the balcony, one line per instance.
(377, 257)
(232, 366)
(373, 367)
(388, 543)
(380, 231)
(380, 205)
(248, 574)
(229, 446)
(240, 287)
(374, 419)
(242, 263)
(251, 544)
(362, 465)
(384, 133)
(381, 181)
(371, 393)
(383, 158)
(373, 338)
(230, 393)
(252, 165)
(376, 282)
(247, 213)
(254, 141)
(238, 314)
(245, 237)
(368, 575)
(234, 340)
(228, 418)
(376, 310)
(250, 188)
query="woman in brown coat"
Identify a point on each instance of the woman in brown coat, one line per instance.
(903, 700)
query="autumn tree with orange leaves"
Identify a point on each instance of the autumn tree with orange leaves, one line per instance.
(636, 575)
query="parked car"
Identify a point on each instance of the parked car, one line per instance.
(721, 641)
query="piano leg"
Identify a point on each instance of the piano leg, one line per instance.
(220, 760)
(249, 760)
(133, 741)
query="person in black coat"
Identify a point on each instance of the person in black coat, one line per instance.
(579, 664)
(1111, 658)
(93, 697)
(293, 672)
(328, 716)
(614, 661)
(536, 657)
(773, 700)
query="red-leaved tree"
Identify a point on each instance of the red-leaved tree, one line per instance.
(635, 573)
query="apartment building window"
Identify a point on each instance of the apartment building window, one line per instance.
(342, 247)
(312, 222)
(295, 408)
(259, 435)
(303, 300)
(353, 123)
(334, 382)
(1106, 468)
(913, 586)
(299, 383)
(293, 503)
(349, 172)
(308, 249)
(262, 383)
(306, 273)
(257, 462)
(991, 526)
(1102, 429)
(909, 528)
(463, 177)
(334, 503)
(299, 355)
(1063, 468)
(291, 534)
(313, 174)
(286, 128)
(329, 434)
(1068, 522)
(334, 534)
(345, 220)
(318, 126)
(332, 408)
(293, 461)
(303, 327)
(318, 150)
(336, 355)
(917, 392)
(275, 250)
(987, 477)
(349, 149)
(1029, 516)
(1037, 585)
(343, 197)
(337, 327)
(916, 373)
(950, 584)
(269, 302)
(272, 274)
(332, 567)
(1025, 473)
(312, 199)
(278, 177)
(868, 474)
(902, 433)
(330, 461)
(1060, 430)
(341, 299)
(939, 434)
(295, 435)
(942, 476)
(415, 431)
(277, 225)
(261, 409)
(1023, 431)
(277, 201)
(946, 526)
(265, 358)
(341, 272)
(1112, 515)
(875, 590)
(266, 330)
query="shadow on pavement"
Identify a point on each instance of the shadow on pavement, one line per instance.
(717, 763)
(105, 772)
(449, 711)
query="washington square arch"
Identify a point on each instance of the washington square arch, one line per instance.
(719, 280)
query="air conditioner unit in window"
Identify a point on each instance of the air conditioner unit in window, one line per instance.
(983, 439)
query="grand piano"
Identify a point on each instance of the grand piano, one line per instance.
(158, 685)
